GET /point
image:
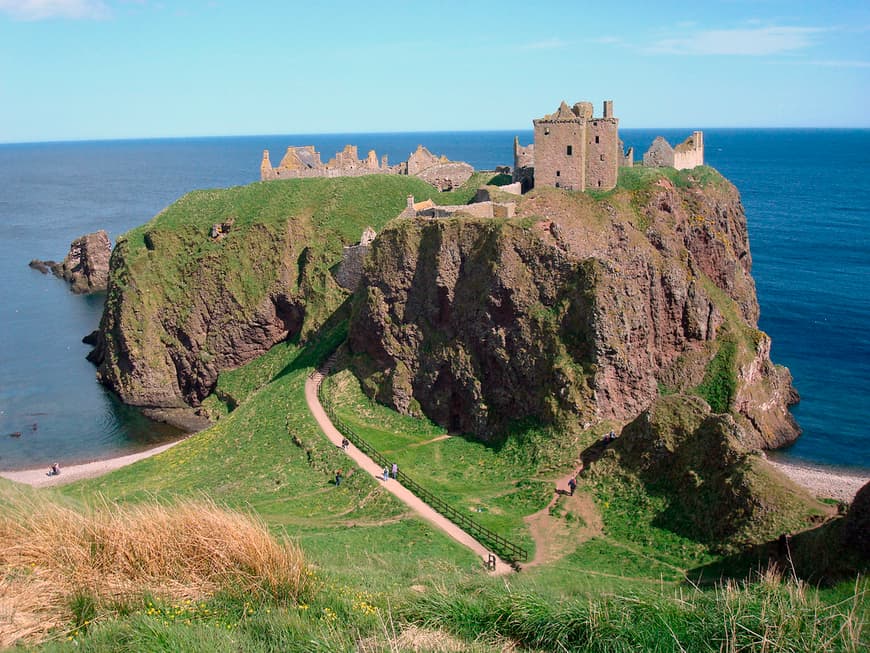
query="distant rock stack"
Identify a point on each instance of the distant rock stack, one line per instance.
(86, 266)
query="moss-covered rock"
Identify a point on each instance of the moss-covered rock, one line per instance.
(718, 490)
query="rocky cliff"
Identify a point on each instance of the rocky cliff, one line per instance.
(86, 266)
(220, 276)
(585, 307)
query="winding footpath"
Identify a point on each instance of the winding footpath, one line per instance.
(393, 486)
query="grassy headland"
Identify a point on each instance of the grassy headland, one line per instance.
(324, 568)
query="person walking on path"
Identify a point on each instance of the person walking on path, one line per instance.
(386, 473)
(572, 485)
(395, 470)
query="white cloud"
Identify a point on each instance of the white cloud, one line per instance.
(754, 41)
(46, 9)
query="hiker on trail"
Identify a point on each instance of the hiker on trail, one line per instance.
(386, 473)
(337, 477)
(344, 443)
(572, 485)
(395, 470)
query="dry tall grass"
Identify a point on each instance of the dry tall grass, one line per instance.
(50, 554)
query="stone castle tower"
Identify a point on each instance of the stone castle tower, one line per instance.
(572, 149)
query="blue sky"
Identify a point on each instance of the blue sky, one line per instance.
(92, 69)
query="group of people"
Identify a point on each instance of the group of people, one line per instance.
(387, 473)
(394, 472)
(54, 470)
(608, 438)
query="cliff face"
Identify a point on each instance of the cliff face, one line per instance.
(583, 308)
(155, 351)
(220, 276)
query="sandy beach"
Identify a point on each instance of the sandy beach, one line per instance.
(68, 474)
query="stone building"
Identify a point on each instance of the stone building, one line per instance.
(685, 156)
(573, 149)
(305, 162)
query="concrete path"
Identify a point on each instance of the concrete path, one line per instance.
(395, 488)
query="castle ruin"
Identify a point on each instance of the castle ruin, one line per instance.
(685, 156)
(573, 150)
(577, 151)
(305, 162)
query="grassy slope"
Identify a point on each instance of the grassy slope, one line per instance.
(268, 455)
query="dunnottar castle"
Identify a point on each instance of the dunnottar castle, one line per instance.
(573, 149)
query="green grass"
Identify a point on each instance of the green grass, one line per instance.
(767, 615)
(498, 486)
(720, 379)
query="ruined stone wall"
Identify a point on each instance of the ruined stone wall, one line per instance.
(281, 173)
(603, 153)
(304, 162)
(560, 151)
(478, 210)
(660, 154)
(421, 159)
(349, 271)
(690, 152)
(446, 176)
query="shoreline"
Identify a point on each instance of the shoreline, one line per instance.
(39, 478)
(820, 481)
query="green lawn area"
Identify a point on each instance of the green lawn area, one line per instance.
(493, 484)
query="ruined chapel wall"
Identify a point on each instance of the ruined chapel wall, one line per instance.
(690, 153)
(659, 155)
(447, 176)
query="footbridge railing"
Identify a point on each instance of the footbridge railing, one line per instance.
(506, 549)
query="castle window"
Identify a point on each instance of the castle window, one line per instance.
(570, 150)
(597, 139)
(602, 157)
(599, 182)
(557, 184)
(547, 131)
(558, 173)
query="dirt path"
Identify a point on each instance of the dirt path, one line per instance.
(70, 473)
(393, 486)
(555, 536)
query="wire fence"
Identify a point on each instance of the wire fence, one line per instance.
(506, 549)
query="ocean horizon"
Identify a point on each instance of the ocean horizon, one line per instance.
(804, 189)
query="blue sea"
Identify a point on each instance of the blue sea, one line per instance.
(807, 200)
